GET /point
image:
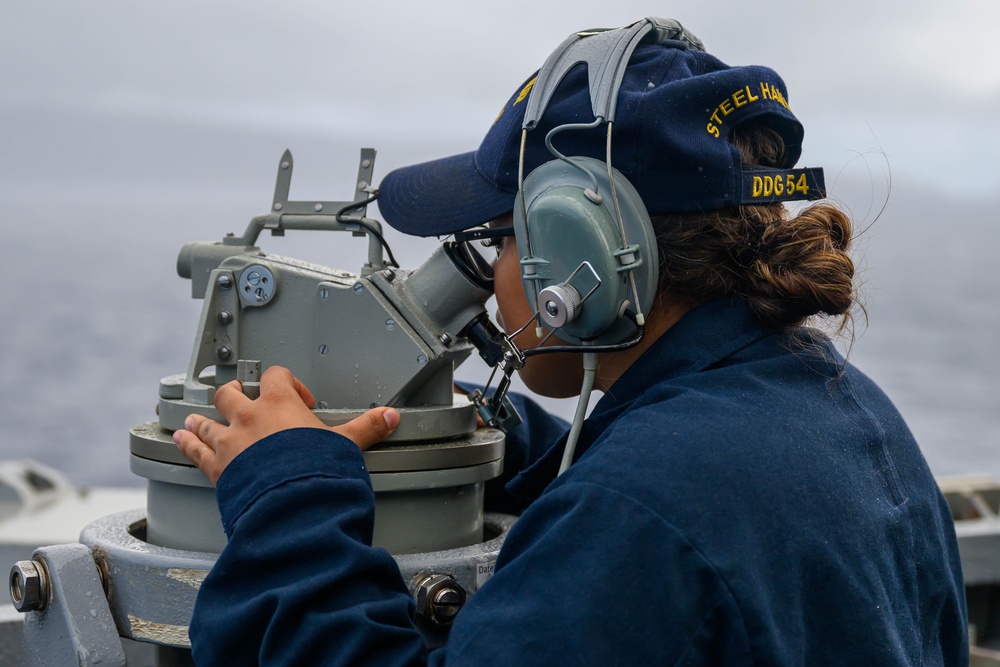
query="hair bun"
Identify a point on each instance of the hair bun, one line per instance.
(803, 268)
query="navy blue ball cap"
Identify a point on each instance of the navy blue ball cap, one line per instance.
(441, 197)
(676, 109)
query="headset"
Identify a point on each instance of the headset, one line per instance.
(588, 254)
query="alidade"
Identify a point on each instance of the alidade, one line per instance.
(380, 336)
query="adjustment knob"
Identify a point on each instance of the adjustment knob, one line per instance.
(559, 305)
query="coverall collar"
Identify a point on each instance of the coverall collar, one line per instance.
(706, 335)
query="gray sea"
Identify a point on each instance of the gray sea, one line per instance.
(93, 313)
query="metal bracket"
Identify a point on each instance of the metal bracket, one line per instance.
(320, 215)
(283, 205)
(75, 627)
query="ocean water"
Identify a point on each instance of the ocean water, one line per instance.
(93, 315)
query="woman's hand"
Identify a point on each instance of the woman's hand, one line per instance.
(284, 403)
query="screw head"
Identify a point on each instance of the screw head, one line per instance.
(439, 598)
(225, 352)
(358, 288)
(28, 586)
(225, 317)
(446, 604)
(225, 281)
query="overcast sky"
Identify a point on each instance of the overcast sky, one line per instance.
(211, 91)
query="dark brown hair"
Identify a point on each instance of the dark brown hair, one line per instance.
(787, 267)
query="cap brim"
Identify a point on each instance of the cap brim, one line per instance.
(441, 197)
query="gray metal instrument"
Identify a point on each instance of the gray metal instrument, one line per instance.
(380, 336)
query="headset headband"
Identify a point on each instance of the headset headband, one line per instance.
(606, 53)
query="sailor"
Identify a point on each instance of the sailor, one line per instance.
(739, 495)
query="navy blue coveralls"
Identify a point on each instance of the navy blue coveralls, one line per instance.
(740, 496)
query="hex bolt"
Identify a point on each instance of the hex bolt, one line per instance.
(439, 598)
(225, 281)
(29, 586)
(445, 339)
(225, 317)
(389, 275)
